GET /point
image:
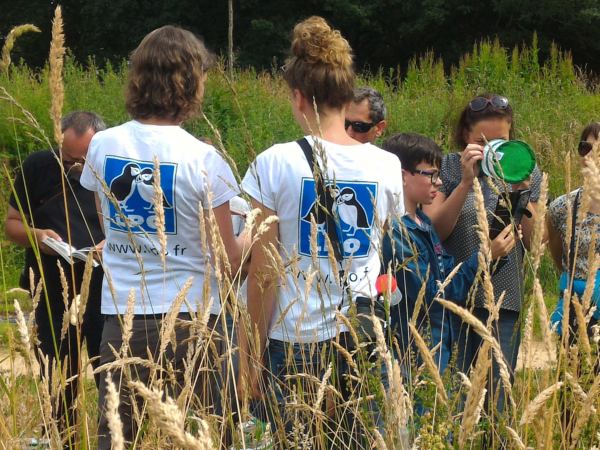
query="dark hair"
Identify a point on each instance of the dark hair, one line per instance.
(81, 121)
(166, 75)
(413, 149)
(377, 109)
(593, 129)
(469, 118)
(320, 66)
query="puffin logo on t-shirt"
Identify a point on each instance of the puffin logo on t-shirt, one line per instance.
(132, 184)
(353, 210)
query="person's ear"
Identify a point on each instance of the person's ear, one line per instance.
(380, 128)
(300, 99)
(465, 135)
(404, 173)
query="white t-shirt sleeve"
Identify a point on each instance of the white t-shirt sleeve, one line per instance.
(88, 179)
(219, 180)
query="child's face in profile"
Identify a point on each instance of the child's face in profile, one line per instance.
(421, 185)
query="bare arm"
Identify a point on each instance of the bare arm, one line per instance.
(444, 211)
(19, 232)
(555, 244)
(262, 284)
(222, 215)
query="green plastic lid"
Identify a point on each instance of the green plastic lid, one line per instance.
(512, 161)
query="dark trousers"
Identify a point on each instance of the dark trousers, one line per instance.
(146, 331)
(506, 330)
(49, 325)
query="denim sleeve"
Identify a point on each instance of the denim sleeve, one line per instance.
(462, 282)
(410, 270)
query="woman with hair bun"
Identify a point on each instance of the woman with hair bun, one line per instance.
(301, 322)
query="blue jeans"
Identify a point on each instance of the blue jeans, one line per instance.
(508, 333)
(294, 377)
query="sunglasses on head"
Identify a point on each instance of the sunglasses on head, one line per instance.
(480, 103)
(360, 127)
(584, 148)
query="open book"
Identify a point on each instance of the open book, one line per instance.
(68, 251)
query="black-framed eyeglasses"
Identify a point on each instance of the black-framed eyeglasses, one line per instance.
(435, 176)
(360, 127)
(480, 103)
(584, 148)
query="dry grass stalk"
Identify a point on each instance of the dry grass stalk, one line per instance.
(537, 245)
(128, 322)
(171, 420)
(65, 296)
(167, 333)
(583, 340)
(399, 406)
(9, 43)
(159, 210)
(429, 363)
(547, 337)
(84, 291)
(420, 299)
(526, 348)
(515, 437)
(535, 406)
(585, 412)
(57, 51)
(112, 414)
(24, 333)
(471, 320)
(473, 404)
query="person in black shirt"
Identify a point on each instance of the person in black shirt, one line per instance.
(38, 205)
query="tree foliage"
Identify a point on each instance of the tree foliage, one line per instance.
(383, 33)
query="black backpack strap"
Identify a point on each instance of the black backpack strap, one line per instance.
(324, 201)
(571, 265)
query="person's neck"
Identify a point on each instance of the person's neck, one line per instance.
(411, 209)
(330, 127)
(594, 207)
(159, 121)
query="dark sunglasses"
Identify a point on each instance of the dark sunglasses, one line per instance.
(480, 103)
(434, 175)
(584, 148)
(360, 127)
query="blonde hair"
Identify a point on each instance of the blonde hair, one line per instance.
(320, 66)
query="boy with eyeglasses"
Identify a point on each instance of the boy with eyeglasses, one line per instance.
(417, 257)
(365, 115)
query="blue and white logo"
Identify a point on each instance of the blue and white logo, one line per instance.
(353, 208)
(132, 184)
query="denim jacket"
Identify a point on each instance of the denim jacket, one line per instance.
(412, 250)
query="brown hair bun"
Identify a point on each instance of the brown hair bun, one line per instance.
(321, 64)
(316, 42)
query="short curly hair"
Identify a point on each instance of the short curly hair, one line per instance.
(166, 75)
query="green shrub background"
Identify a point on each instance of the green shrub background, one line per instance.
(552, 101)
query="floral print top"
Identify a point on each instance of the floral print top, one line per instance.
(589, 228)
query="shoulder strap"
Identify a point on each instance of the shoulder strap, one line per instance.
(573, 226)
(324, 201)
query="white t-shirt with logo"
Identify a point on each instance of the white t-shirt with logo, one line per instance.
(193, 176)
(367, 191)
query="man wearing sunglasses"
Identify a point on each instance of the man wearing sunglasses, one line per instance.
(44, 190)
(365, 115)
